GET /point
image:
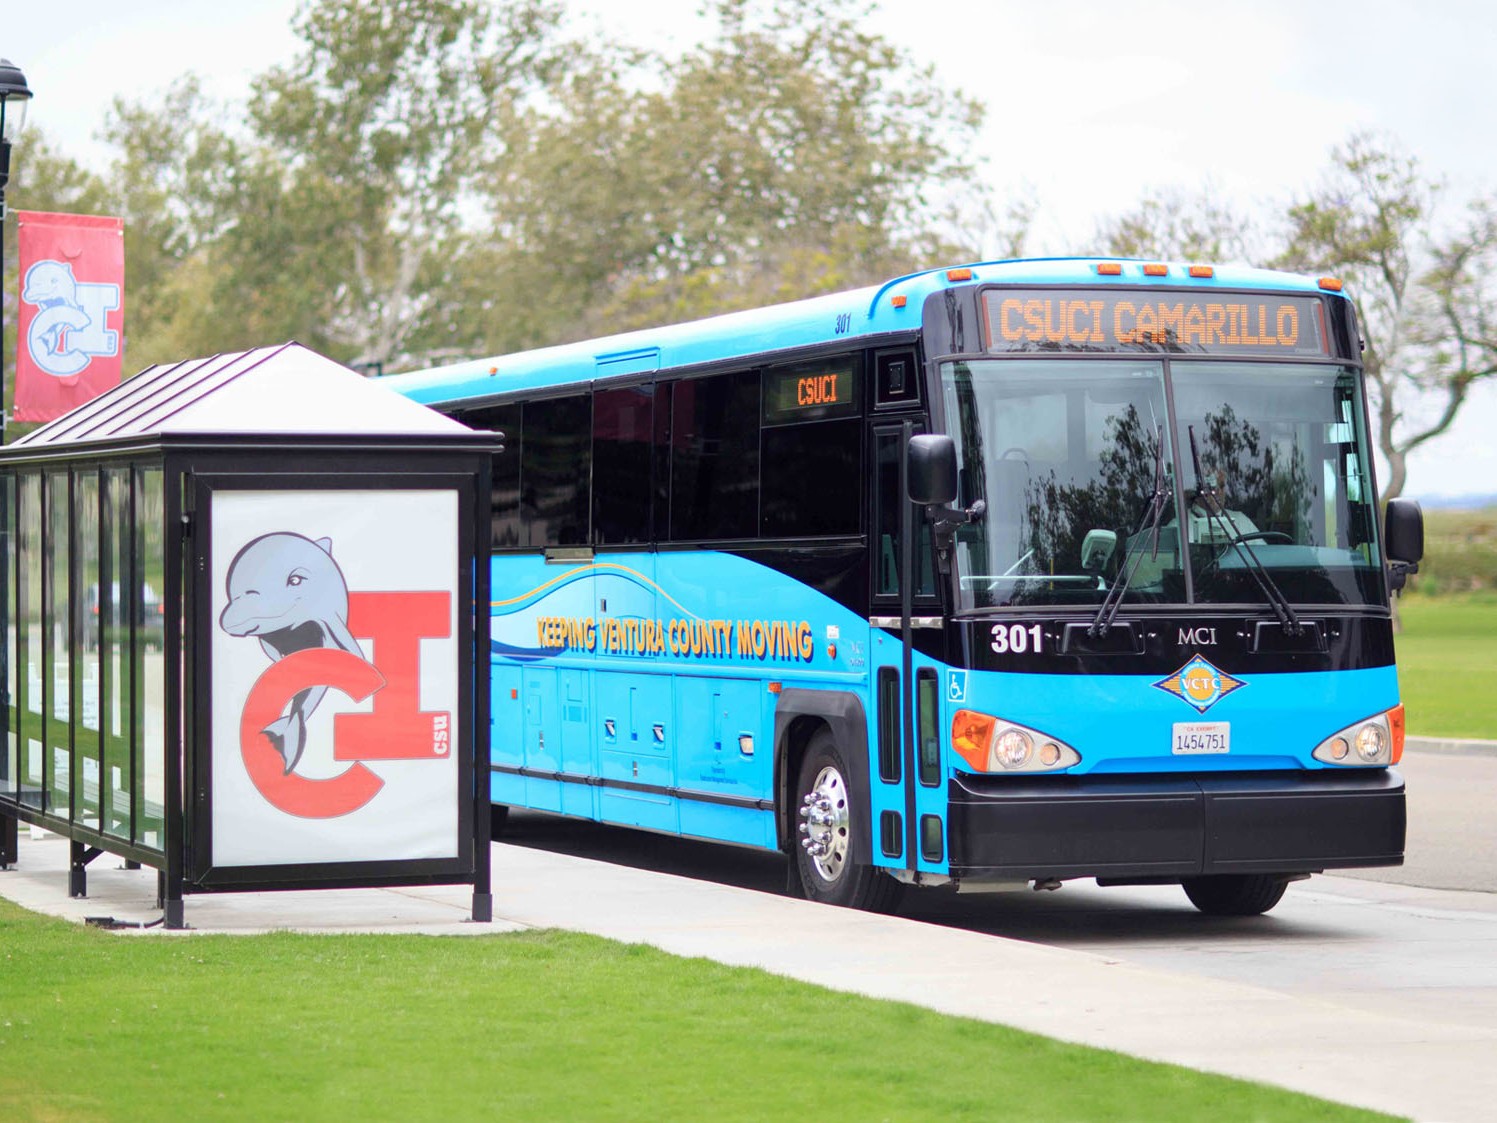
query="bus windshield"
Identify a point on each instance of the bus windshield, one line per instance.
(1069, 456)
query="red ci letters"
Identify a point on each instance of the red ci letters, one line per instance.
(397, 729)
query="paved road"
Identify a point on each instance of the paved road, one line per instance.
(1452, 841)
(1416, 942)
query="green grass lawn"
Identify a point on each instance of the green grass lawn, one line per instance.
(533, 1026)
(1447, 665)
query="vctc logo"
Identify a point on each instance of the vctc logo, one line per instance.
(1199, 684)
(68, 330)
(286, 590)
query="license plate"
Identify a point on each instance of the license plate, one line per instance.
(1195, 737)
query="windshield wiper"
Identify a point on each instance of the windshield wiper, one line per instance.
(1114, 599)
(1206, 493)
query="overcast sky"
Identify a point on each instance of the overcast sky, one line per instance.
(1090, 102)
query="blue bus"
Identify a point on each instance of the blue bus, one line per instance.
(988, 576)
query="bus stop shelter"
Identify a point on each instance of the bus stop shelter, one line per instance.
(239, 633)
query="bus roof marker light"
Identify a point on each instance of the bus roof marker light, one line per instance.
(1330, 284)
(959, 274)
(1202, 272)
(899, 301)
(1154, 270)
(1109, 269)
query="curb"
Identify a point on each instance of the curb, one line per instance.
(1450, 746)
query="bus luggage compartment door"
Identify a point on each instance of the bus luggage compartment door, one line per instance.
(541, 738)
(714, 715)
(636, 743)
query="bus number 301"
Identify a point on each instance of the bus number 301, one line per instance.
(1016, 639)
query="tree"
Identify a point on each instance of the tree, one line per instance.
(1422, 303)
(792, 153)
(1173, 225)
(174, 162)
(368, 147)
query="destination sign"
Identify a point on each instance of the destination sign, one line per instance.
(1267, 324)
(810, 391)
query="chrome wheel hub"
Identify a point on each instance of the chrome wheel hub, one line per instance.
(824, 826)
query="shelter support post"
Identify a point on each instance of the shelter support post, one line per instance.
(10, 841)
(169, 899)
(79, 856)
(483, 897)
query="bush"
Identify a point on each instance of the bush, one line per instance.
(1460, 553)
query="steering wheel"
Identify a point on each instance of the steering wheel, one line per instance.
(1265, 535)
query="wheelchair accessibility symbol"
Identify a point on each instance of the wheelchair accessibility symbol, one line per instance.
(956, 686)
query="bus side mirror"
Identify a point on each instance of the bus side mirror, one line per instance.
(932, 470)
(1404, 536)
(1403, 540)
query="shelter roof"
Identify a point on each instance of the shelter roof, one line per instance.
(284, 389)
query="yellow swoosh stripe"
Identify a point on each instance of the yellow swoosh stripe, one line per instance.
(573, 573)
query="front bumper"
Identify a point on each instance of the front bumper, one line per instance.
(1165, 826)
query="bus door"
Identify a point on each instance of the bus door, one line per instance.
(906, 777)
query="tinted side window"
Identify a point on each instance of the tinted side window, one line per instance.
(556, 472)
(506, 493)
(812, 478)
(623, 427)
(715, 457)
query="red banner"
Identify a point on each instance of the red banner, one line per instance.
(71, 335)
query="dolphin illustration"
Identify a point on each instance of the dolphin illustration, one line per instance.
(51, 284)
(288, 592)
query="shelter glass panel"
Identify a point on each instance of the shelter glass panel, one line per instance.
(30, 633)
(10, 770)
(86, 628)
(148, 662)
(114, 652)
(57, 781)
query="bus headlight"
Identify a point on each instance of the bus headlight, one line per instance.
(991, 744)
(1372, 743)
(1013, 748)
(1376, 741)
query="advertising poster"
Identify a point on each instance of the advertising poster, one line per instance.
(334, 657)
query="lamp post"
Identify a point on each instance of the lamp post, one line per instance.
(14, 94)
(14, 97)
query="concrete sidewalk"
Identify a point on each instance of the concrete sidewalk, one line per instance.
(1425, 1069)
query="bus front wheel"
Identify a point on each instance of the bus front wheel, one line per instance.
(829, 830)
(1235, 894)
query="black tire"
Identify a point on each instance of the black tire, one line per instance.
(1235, 894)
(837, 876)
